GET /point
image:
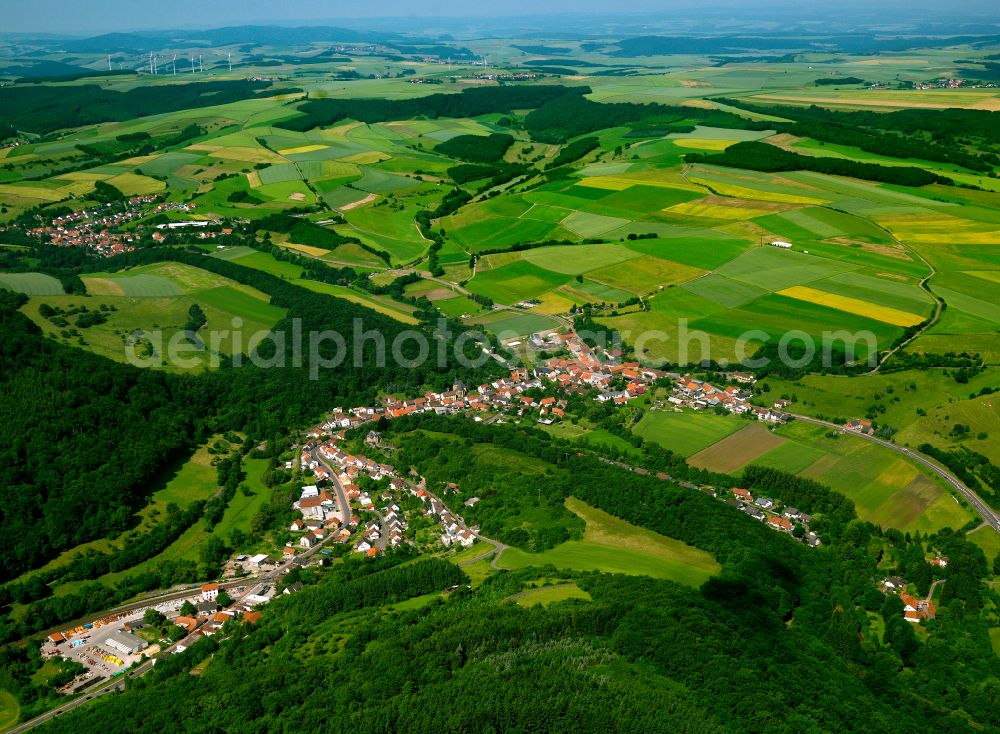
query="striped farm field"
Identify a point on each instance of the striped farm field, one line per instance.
(608, 183)
(686, 433)
(856, 306)
(737, 449)
(302, 149)
(942, 228)
(139, 286)
(715, 211)
(746, 192)
(31, 284)
(30, 192)
(703, 143)
(644, 274)
(586, 224)
(307, 249)
(621, 183)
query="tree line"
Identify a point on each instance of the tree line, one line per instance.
(468, 103)
(757, 156)
(44, 109)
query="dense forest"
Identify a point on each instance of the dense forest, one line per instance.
(83, 437)
(574, 152)
(763, 157)
(932, 135)
(477, 148)
(42, 109)
(572, 114)
(468, 103)
(779, 641)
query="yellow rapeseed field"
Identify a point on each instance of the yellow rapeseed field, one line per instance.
(302, 149)
(715, 211)
(745, 192)
(885, 314)
(703, 143)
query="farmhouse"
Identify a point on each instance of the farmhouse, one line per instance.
(860, 426)
(915, 610)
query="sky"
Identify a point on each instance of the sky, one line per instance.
(83, 17)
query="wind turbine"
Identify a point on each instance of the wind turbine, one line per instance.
(109, 62)
(201, 63)
(174, 64)
(230, 61)
(152, 70)
(192, 63)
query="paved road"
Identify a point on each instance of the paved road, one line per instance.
(985, 511)
(497, 548)
(114, 684)
(344, 505)
(118, 683)
(934, 585)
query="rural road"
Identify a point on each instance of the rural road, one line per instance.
(497, 548)
(985, 511)
(930, 592)
(344, 505)
(118, 683)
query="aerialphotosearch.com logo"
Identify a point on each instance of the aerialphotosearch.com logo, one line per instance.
(441, 347)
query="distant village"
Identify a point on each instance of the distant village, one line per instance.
(96, 227)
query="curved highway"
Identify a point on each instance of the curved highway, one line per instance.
(989, 515)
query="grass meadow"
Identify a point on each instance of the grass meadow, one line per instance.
(612, 545)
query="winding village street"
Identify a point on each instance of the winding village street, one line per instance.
(331, 509)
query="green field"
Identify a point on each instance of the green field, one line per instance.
(612, 545)
(886, 488)
(31, 284)
(510, 324)
(9, 710)
(196, 479)
(988, 539)
(146, 309)
(550, 595)
(686, 433)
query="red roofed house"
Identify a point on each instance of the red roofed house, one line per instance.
(252, 617)
(781, 523)
(188, 623)
(915, 609)
(742, 494)
(209, 591)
